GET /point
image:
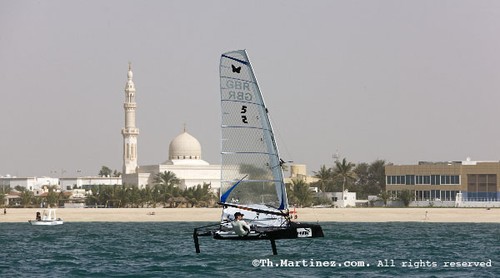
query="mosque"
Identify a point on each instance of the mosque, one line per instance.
(184, 159)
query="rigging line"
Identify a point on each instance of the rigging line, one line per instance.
(242, 101)
(283, 143)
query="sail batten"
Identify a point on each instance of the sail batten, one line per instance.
(248, 145)
(235, 59)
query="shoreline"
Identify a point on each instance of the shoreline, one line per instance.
(435, 215)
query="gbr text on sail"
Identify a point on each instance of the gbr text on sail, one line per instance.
(238, 90)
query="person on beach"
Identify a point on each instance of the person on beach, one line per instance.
(240, 227)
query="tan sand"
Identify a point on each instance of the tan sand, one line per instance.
(464, 215)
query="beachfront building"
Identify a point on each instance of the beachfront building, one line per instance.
(341, 199)
(299, 172)
(34, 184)
(39, 185)
(452, 183)
(87, 182)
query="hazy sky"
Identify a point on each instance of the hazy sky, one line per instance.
(397, 80)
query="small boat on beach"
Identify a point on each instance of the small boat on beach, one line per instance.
(46, 218)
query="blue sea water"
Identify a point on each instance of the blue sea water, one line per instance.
(166, 249)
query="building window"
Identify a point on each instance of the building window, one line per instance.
(435, 180)
(410, 179)
(481, 187)
(423, 180)
(400, 179)
(450, 179)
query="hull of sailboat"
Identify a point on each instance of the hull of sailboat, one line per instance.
(295, 230)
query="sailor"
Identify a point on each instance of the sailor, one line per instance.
(240, 227)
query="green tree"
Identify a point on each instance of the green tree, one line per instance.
(147, 197)
(167, 183)
(406, 196)
(370, 178)
(134, 196)
(105, 171)
(362, 183)
(343, 172)
(26, 197)
(384, 196)
(116, 173)
(377, 177)
(52, 196)
(301, 193)
(62, 198)
(199, 195)
(325, 177)
(156, 194)
(3, 194)
(167, 178)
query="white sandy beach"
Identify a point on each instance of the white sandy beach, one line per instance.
(460, 215)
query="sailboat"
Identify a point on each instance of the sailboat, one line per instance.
(251, 169)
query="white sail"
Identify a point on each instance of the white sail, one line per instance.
(251, 174)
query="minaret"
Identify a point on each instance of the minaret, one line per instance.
(130, 132)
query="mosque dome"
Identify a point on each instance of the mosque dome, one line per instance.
(184, 146)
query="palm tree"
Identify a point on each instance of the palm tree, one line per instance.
(26, 197)
(198, 195)
(301, 193)
(362, 185)
(134, 196)
(156, 195)
(324, 175)
(147, 196)
(167, 182)
(377, 174)
(344, 172)
(166, 178)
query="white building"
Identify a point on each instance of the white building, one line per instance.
(184, 159)
(343, 200)
(37, 184)
(34, 184)
(87, 182)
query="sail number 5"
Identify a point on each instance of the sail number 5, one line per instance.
(244, 118)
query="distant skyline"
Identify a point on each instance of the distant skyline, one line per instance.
(402, 81)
